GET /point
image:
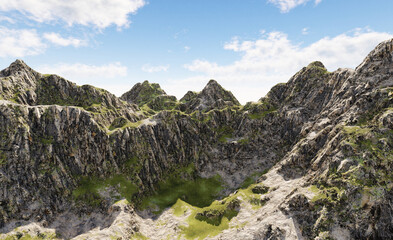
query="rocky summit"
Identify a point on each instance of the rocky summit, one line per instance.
(313, 159)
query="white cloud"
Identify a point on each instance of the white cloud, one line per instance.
(151, 69)
(98, 13)
(274, 58)
(57, 39)
(305, 31)
(287, 5)
(79, 72)
(20, 43)
(6, 19)
(27, 42)
(186, 48)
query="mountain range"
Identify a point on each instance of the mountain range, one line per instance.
(313, 159)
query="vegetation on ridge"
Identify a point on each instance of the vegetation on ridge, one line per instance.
(209, 221)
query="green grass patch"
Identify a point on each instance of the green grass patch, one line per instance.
(243, 141)
(200, 116)
(326, 194)
(200, 230)
(133, 164)
(259, 110)
(138, 236)
(356, 130)
(124, 125)
(47, 140)
(211, 220)
(89, 188)
(197, 228)
(118, 123)
(252, 178)
(197, 192)
(3, 158)
(248, 181)
(224, 133)
(26, 236)
(260, 115)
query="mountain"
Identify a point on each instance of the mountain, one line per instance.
(310, 160)
(213, 96)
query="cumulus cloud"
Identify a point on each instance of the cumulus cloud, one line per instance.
(7, 19)
(27, 42)
(20, 42)
(151, 69)
(287, 5)
(57, 39)
(82, 72)
(275, 58)
(98, 13)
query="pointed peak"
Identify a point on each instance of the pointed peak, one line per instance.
(213, 84)
(316, 64)
(188, 96)
(213, 95)
(19, 61)
(142, 93)
(20, 64)
(212, 81)
(146, 84)
(16, 67)
(380, 56)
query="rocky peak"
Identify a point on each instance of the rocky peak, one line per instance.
(17, 79)
(188, 96)
(20, 84)
(17, 68)
(381, 57)
(317, 64)
(212, 96)
(213, 91)
(142, 93)
(150, 95)
(308, 81)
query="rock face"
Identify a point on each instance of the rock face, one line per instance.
(310, 160)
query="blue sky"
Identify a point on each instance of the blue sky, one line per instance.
(246, 45)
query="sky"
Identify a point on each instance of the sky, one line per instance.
(248, 46)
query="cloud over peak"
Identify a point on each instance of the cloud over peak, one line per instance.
(20, 42)
(275, 58)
